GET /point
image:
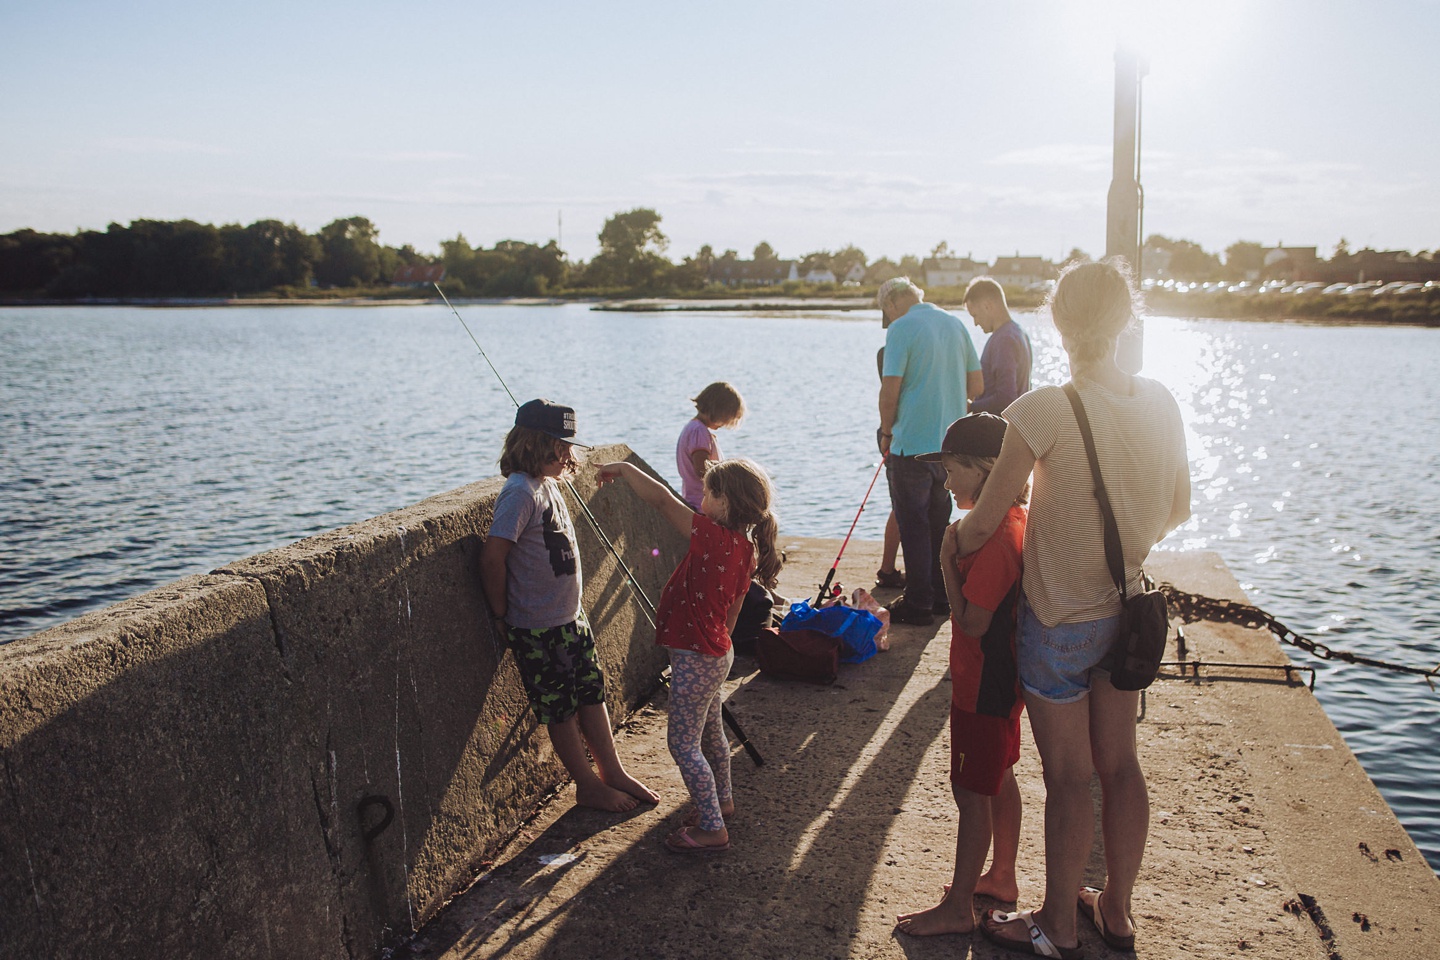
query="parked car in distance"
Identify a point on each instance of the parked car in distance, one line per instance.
(1387, 288)
(1336, 288)
(1311, 286)
(1409, 288)
(1356, 289)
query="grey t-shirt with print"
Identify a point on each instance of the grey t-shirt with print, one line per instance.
(542, 577)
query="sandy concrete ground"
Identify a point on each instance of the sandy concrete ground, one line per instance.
(1256, 801)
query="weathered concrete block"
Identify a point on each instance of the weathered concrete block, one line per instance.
(150, 800)
(206, 770)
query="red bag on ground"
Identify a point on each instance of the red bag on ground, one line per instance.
(807, 655)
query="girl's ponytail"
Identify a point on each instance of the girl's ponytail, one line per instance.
(767, 557)
(746, 488)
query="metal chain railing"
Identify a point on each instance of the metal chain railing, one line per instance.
(1194, 606)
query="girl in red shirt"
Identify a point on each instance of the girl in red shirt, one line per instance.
(732, 539)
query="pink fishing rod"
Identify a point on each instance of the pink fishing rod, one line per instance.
(824, 587)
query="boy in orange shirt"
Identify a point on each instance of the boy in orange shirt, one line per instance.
(985, 706)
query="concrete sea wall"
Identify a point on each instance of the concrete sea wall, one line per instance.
(208, 769)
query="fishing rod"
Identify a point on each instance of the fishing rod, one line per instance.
(647, 607)
(629, 577)
(825, 587)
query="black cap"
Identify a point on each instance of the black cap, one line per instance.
(554, 419)
(973, 435)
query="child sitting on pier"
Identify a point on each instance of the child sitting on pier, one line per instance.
(718, 405)
(983, 589)
(731, 537)
(530, 572)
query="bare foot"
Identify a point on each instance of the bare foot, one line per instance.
(692, 819)
(628, 784)
(600, 797)
(944, 917)
(992, 888)
(1005, 892)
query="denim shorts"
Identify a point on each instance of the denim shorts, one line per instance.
(1056, 663)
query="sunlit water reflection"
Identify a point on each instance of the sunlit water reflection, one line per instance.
(137, 446)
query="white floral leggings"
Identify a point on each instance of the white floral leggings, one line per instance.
(696, 732)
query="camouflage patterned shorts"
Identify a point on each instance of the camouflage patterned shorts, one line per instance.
(559, 669)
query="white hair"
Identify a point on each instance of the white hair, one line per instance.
(895, 287)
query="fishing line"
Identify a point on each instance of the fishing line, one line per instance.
(646, 606)
(477, 343)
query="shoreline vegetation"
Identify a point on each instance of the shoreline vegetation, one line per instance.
(183, 263)
(1281, 308)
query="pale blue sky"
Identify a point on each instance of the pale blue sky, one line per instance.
(808, 125)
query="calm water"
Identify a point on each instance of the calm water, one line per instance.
(138, 446)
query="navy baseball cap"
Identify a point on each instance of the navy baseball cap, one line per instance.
(973, 435)
(553, 419)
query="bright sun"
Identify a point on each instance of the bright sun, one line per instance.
(1179, 35)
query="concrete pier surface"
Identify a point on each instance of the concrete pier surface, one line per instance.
(1267, 839)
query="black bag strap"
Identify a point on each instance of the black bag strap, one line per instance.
(1114, 555)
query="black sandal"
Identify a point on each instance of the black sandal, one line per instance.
(890, 579)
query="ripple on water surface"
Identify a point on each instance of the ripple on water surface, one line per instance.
(137, 446)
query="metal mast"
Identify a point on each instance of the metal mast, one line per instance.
(1126, 201)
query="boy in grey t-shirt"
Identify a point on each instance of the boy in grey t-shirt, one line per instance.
(530, 571)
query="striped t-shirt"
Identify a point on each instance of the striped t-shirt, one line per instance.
(1140, 442)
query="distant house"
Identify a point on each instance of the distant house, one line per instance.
(855, 274)
(819, 275)
(418, 275)
(952, 271)
(1018, 271)
(1293, 263)
(750, 273)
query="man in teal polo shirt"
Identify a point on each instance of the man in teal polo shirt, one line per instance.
(931, 371)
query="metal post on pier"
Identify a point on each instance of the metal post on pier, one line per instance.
(1125, 209)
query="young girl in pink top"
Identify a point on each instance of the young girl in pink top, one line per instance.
(732, 538)
(718, 405)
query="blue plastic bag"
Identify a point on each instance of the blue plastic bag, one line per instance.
(855, 629)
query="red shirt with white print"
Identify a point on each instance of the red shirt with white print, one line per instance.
(714, 573)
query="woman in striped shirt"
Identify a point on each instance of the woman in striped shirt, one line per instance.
(1071, 607)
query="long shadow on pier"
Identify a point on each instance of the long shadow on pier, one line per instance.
(810, 831)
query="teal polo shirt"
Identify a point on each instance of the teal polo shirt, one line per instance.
(930, 350)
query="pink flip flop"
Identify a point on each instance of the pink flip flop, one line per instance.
(681, 842)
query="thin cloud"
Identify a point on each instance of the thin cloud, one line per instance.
(152, 145)
(865, 193)
(779, 151)
(1268, 195)
(411, 156)
(441, 198)
(1084, 156)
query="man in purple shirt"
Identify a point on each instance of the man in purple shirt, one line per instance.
(1005, 361)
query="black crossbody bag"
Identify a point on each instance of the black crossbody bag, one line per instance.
(1134, 658)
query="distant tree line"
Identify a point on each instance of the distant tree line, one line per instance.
(182, 258)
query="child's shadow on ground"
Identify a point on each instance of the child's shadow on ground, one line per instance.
(809, 833)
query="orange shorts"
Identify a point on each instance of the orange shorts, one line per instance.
(981, 750)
